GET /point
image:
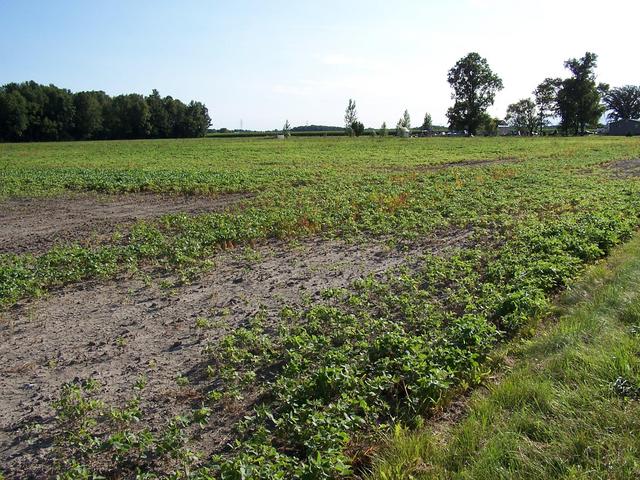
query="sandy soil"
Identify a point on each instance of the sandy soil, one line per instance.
(36, 225)
(117, 331)
(444, 166)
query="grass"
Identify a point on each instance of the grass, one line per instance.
(334, 375)
(568, 409)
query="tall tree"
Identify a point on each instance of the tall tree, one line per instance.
(159, 118)
(522, 116)
(198, 119)
(58, 114)
(474, 89)
(14, 117)
(88, 115)
(129, 117)
(405, 120)
(579, 97)
(427, 124)
(546, 101)
(623, 103)
(350, 117)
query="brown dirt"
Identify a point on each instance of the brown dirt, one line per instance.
(117, 331)
(35, 225)
(443, 166)
(625, 168)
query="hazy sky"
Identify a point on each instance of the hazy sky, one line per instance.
(267, 61)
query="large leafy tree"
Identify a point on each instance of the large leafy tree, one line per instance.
(623, 103)
(14, 117)
(197, 119)
(159, 118)
(546, 100)
(523, 116)
(474, 89)
(579, 97)
(129, 117)
(88, 115)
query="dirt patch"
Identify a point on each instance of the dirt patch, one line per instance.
(118, 331)
(35, 225)
(443, 166)
(624, 168)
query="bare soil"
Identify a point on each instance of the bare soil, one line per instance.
(625, 168)
(118, 331)
(35, 225)
(447, 165)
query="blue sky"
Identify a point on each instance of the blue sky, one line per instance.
(264, 62)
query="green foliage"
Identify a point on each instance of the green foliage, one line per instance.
(350, 117)
(567, 409)
(474, 89)
(623, 103)
(427, 124)
(522, 116)
(29, 111)
(546, 95)
(357, 128)
(578, 97)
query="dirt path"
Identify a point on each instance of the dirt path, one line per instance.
(420, 168)
(625, 168)
(119, 331)
(36, 225)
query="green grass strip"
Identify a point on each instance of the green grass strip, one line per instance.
(569, 408)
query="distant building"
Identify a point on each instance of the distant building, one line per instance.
(504, 130)
(624, 127)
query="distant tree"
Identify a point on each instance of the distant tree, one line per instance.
(198, 119)
(383, 129)
(427, 124)
(35, 97)
(357, 128)
(489, 125)
(350, 116)
(623, 103)
(159, 118)
(474, 89)
(286, 129)
(14, 117)
(88, 115)
(30, 111)
(405, 120)
(579, 97)
(523, 116)
(546, 100)
(129, 117)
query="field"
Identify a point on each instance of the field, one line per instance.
(255, 308)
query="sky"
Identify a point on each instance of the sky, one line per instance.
(259, 63)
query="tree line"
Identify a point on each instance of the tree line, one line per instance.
(33, 112)
(578, 102)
